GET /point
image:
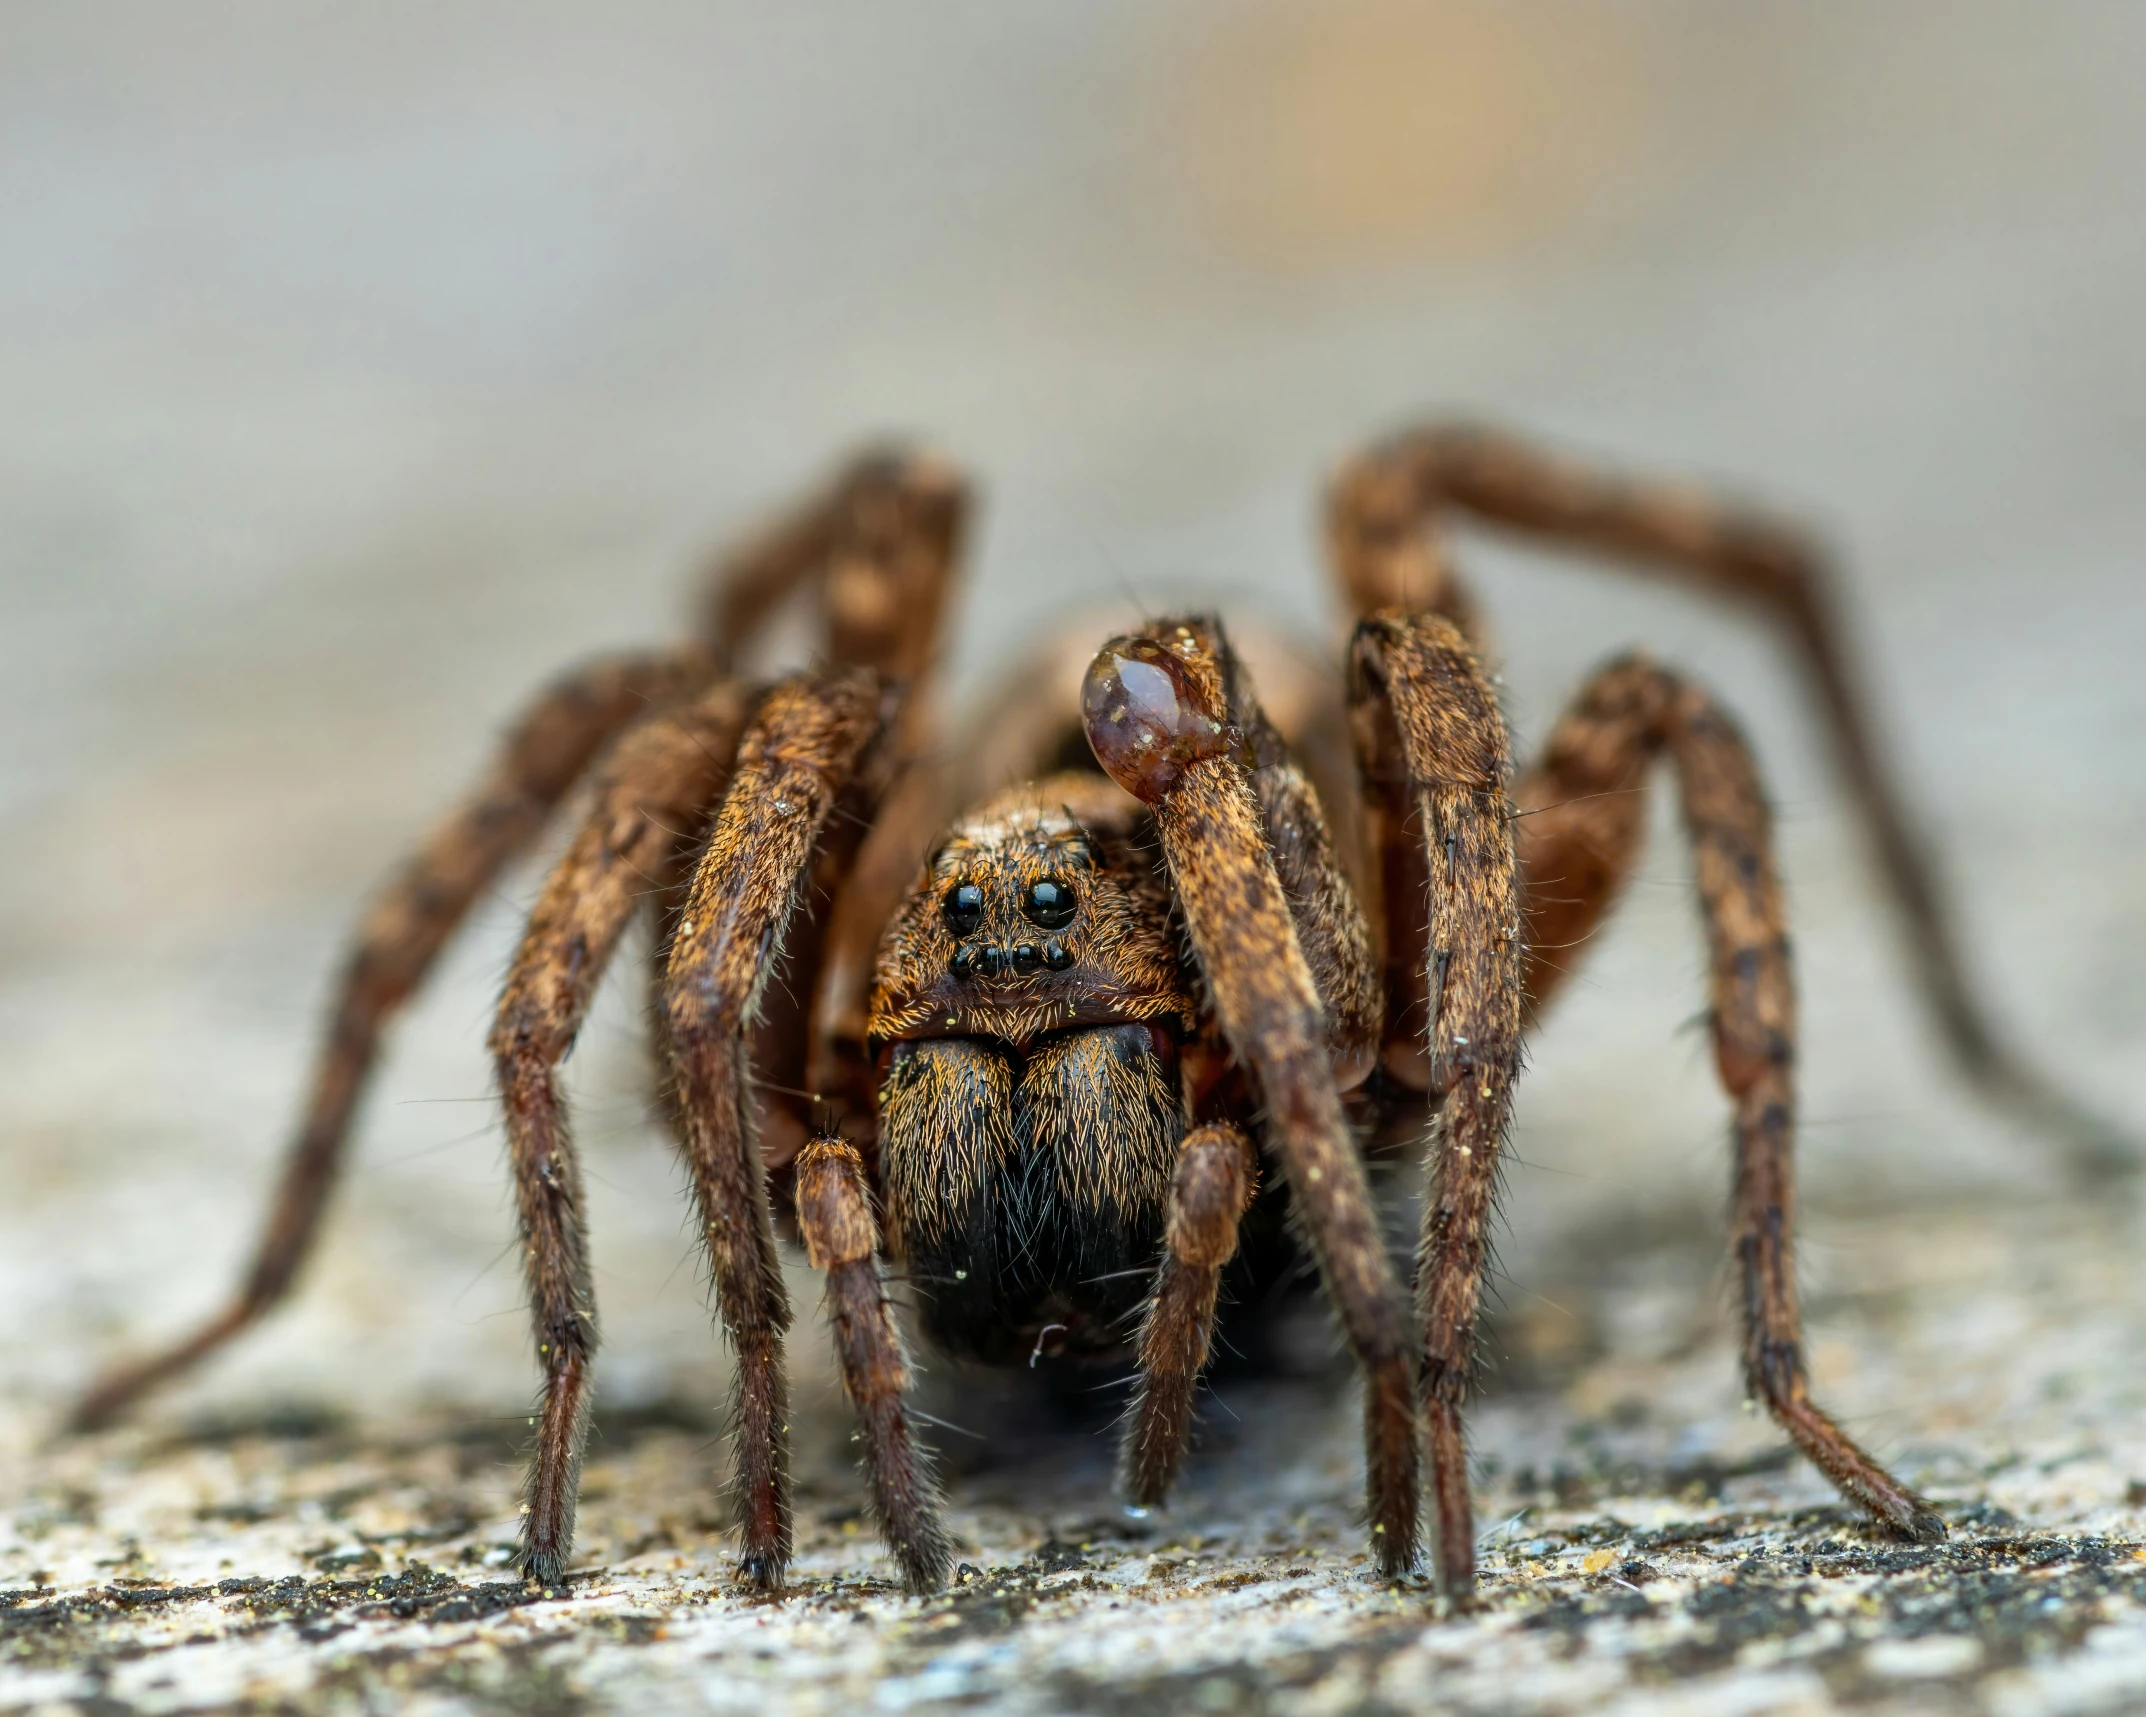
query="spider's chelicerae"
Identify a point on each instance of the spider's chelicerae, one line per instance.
(1067, 1049)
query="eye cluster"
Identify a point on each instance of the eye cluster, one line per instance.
(1049, 903)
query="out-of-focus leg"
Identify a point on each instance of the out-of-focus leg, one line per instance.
(546, 752)
(1384, 513)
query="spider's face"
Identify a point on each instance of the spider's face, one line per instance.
(1042, 909)
(1010, 898)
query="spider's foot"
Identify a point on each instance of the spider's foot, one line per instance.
(98, 1408)
(762, 1569)
(1910, 1520)
(543, 1569)
(2098, 1151)
(925, 1569)
(1398, 1565)
(922, 1550)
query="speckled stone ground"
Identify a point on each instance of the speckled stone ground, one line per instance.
(1646, 1546)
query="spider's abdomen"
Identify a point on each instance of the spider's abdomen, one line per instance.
(1025, 1190)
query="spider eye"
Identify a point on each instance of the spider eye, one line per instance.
(964, 907)
(1048, 904)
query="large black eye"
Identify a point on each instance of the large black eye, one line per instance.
(964, 907)
(1049, 904)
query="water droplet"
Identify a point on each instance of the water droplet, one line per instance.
(1148, 718)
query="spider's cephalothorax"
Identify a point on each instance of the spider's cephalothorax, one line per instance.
(1028, 1009)
(1064, 1059)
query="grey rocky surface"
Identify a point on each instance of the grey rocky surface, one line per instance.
(1646, 1546)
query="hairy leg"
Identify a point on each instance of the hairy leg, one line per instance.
(809, 742)
(888, 576)
(1582, 817)
(1216, 1174)
(1382, 513)
(1330, 922)
(1436, 766)
(1630, 713)
(876, 545)
(662, 777)
(1158, 716)
(547, 751)
(834, 1212)
(875, 611)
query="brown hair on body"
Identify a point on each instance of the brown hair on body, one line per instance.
(1030, 1007)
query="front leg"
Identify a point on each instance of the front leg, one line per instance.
(1586, 816)
(1435, 762)
(665, 773)
(1214, 1183)
(1159, 720)
(808, 743)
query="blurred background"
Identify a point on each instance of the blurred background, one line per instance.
(366, 364)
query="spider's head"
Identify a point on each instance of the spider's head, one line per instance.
(1041, 909)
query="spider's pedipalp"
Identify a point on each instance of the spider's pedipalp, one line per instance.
(664, 776)
(834, 1218)
(1630, 713)
(1436, 766)
(547, 751)
(809, 741)
(1216, 1173)
(1243, 931)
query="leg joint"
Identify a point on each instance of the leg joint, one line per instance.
(1212, 1188)
(832, 1210)
(700, 1012)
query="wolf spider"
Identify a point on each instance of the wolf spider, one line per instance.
(1037, 1060)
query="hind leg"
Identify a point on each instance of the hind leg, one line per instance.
(1384, 515)
(1587, 797)
(547, 752)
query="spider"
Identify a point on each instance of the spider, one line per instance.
(1102, 1019)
